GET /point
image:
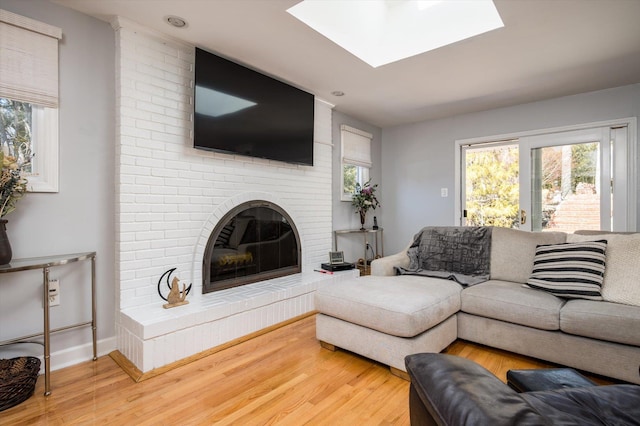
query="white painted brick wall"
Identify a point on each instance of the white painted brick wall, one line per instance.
(168, 191)
(170, 196)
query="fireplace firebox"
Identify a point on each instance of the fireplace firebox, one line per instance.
(255, 241)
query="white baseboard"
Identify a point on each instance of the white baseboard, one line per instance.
(63, 358)
(78, 354)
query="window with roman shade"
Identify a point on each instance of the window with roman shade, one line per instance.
(29, 82)
(28, 60)
(356, 159)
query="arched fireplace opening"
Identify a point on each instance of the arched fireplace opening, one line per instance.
(255, 241)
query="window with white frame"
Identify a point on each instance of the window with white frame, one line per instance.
(555, 179)
(29, 95)
(356, 159)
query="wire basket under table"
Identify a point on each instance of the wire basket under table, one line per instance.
(18, 378)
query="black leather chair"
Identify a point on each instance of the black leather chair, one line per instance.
(450, 390)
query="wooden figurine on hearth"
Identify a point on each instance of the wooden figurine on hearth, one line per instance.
(175, 296)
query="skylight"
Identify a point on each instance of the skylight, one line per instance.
(383, 31)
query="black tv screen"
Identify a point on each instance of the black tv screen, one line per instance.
(241, 111)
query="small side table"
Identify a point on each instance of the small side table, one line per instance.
(45, 263)
(365, 234)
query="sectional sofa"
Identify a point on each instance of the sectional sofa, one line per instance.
(590, 326)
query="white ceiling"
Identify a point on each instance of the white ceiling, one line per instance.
(548, 48)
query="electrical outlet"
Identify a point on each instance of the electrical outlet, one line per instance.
(444, 192)
(54, 293)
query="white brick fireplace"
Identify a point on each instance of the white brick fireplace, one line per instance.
(170, 196)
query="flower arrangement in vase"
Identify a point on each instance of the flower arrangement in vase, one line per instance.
(13, 186)
(364, 198)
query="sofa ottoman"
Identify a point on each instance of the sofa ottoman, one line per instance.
(387, 318)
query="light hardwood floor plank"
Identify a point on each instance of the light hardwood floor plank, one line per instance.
(283, 377)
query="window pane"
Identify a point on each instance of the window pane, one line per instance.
(565, 187)
(15, 127)
(492, 186)
(349, 173)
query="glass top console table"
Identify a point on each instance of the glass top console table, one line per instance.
(45, 263)
(365, 234)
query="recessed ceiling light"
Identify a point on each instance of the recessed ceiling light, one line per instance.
(383, 31)
(337, 93)
(175, 21)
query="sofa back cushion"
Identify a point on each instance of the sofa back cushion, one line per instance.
(621, 283)
(512, 252)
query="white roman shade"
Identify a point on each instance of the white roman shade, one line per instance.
(28, 60)
(356, 146)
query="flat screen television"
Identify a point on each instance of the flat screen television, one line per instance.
(241, 111)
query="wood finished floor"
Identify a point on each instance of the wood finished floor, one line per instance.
(283, 377)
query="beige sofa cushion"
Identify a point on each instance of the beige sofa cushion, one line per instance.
(612, 322)
(511, 302)
(622, 268)
(403, 306)
(512, 252)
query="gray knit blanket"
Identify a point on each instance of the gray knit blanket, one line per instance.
(457, 253)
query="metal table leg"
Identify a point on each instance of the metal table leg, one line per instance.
(93, 307)
(46, 331)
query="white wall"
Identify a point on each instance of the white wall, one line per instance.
(418, 159)
(80, 216)
(343, 213)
